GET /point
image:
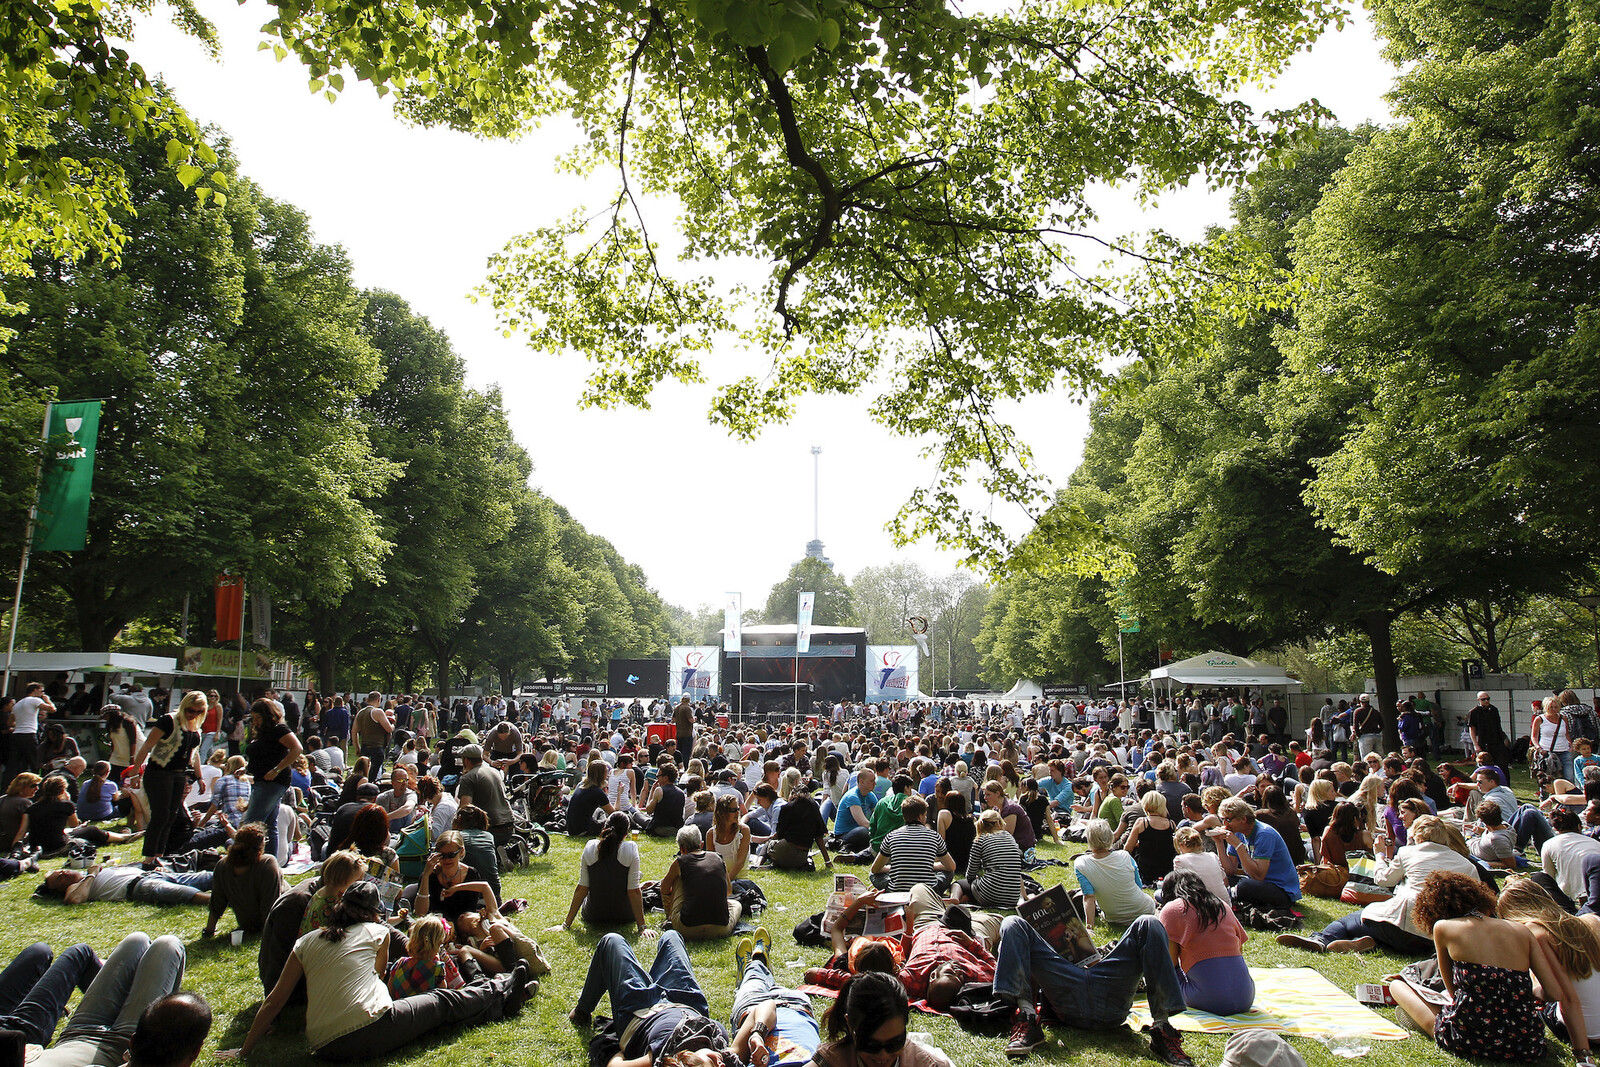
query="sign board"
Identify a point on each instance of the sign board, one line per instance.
(225, 663)
(554, 689)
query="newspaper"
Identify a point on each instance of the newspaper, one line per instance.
(885, 916)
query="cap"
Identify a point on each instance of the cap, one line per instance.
(363, 895)
(472, 752)
(1260, 1048)
(367, 789)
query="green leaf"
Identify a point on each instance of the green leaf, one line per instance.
(828, 34)
(189, 174)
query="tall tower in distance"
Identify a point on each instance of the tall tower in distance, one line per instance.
(814, 546)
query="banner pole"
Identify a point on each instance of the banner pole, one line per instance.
(27, 546)
(238, 671)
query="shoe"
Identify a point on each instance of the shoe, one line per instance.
(763, 943)
(521, 979)
(1026, 1034)
(1310, 944)
(1359, 944)
(742, 951)
(1167, 1046)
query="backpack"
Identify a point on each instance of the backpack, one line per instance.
(412, 848)
(977, 1007)
(1582, 718)
(808, 932)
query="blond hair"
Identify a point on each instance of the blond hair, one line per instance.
(427, 935)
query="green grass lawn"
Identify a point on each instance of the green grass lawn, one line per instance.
(542, 1035)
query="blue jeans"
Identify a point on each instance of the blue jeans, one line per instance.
(1531, 825)
(1390, 936)
(1093, 998)
(34, 990)
(616, 972)
(265, 797)
(164, 887)
(795, 1023)
(138, 973)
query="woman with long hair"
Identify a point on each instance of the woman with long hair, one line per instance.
(1150, 839)
(268, 758)
(246, 880)
(608, 891)
(955, 825)
(1207, 942)
(729, 837)
(1488, 966)
(369, 837)
(124, 735)
(349, 1011)
(353, 780)
(866, 1026)
(171, 748)
(1343, 835)
(1572, 941)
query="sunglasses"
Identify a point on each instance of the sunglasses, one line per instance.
(869, 1047)
(449, 855)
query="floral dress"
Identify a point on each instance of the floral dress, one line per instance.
(1494, 1015)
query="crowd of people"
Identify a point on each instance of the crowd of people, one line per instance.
(1191, 832)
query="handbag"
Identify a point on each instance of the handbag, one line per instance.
(1323, 880)
(1361, 888)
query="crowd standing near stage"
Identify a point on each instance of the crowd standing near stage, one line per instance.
(1203, 822)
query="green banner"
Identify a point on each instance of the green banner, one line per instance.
(227, 662)
(67, 476)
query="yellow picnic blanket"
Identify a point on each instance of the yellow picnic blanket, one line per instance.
(1289, 1000)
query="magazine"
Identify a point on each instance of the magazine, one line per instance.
(886, 916)
(1052, 914)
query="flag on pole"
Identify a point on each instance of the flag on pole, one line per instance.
(261, 620)
(802, 637)
(66, 477)
(230, 606)
(732, 624)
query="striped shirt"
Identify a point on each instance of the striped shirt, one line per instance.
(912, 851)
(994, 870)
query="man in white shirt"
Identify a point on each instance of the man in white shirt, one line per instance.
(25, 738)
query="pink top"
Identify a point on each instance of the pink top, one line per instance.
(1196, 943)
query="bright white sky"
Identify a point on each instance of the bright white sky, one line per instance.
(419, 212)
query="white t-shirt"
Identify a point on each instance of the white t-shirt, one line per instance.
(26, 712)
(627, 855)
(1209, 868)
(208, 775)
(619, 792)
(343, 990)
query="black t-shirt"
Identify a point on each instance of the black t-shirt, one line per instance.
(581, 808)
(1369, 720)
(12, 809)
(47, 824)
(179, 760)
(1485, 719)
(455, 905)
(265, 752)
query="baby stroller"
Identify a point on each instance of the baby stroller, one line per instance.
(536, 800)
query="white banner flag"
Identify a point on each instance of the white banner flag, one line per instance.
(693, 671)
(261, 620)
(802, 639)
(732, 626)
(891, 672)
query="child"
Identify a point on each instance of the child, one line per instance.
(424, 969)
(1192, 856)
(339, 872)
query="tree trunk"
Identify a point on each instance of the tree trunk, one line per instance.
(1377, 625)
(508, 679)
(326, 667)
(441, 678)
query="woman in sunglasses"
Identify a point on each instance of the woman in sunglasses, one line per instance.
(867, 1024)
(448, 886)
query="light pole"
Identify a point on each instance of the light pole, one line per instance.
(1592, 602)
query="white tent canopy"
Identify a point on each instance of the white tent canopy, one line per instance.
(93, 662)
(1024, 690)
(1223, 669)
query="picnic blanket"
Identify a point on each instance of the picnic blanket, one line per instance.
(1289, 1000)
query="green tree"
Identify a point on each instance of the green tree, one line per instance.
(206, 458)
(1450, 301)
(835, 604)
